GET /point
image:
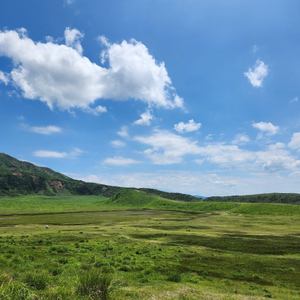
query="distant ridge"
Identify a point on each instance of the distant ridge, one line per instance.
(22, 178)
(280, 198)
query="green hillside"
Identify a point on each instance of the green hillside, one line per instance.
(24, 178)
(139, 199)
(284, 198)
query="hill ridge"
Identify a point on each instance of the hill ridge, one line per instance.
(22, 177)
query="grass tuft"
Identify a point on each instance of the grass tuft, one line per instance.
(95, 284)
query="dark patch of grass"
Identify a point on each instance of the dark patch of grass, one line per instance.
(254, 244)
(95, 284)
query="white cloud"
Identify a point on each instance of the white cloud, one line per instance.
(209, 137)
(241, 139)
(70, 1)
(226, 155)
(187, 127)
(123, 132)
(118, 143)
(73, 37)
(54, 154)
(145, 119)
(47, 130)
(277, 159)
(59, 75)
(120, 161)
(269, 128)
(167, 148)
(257, 75)
(95, 111)
(4, 78)
(295, 141)
(294, 100)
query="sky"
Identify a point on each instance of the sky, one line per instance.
(189, 96)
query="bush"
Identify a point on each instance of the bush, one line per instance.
(174, 277)
(94, 284)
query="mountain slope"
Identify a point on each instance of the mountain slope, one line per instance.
(22, 178)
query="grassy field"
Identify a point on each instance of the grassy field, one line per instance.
(161, 249)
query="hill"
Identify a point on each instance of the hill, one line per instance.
(139, 199)
(283, 198)
(23, 178)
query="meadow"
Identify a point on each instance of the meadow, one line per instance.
(100, 248)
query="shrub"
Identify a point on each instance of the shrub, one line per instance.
(174, 277)
(94, 284)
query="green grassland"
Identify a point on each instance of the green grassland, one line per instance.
(140, 246)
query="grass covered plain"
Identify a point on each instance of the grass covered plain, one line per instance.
(157, 249)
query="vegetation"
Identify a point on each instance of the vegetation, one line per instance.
(100, 248)
(23, 178)
(284, 198)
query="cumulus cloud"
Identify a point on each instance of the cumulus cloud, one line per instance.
(118, 143)
(167, 148)
(187, 127)
(145, 119)
(241, 139)
(226, 155)
(268, 128)
(73, 38)
(54, 154)
(4, 78)
(295, 141)
(258, 74)
(59, 75)
(47, 130)
(120, 161)
(277, 159)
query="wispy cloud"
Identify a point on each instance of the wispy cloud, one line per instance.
(294, 100)
(4, 78)
(123, 132)
(47, 130)
(241, 139)
(70, 1)
(258, 74)
(54, 154)
(118, 143)
(120, 161)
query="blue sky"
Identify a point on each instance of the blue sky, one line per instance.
(199, 97)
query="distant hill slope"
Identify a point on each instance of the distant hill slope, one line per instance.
(139, 199)
(283, 198)
(22, 178)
